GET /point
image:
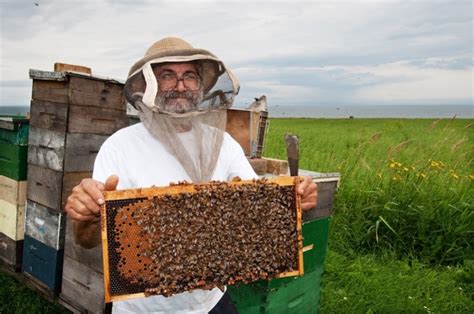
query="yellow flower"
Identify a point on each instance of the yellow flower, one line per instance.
(471, 176)
(455, 175)
(379, 175)
(406, 169)
(392, 165)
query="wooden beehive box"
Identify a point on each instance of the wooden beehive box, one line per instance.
(72, 114)
(184, 237)
(248, 128)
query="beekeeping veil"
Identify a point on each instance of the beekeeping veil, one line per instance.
(193, 133)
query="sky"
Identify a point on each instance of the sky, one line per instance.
(294, 52)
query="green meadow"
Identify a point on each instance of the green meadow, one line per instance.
(401, 236)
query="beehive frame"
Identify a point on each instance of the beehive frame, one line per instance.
(114, 244)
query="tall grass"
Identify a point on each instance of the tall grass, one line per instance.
(407, 185)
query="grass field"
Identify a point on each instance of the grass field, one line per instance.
(402, 232)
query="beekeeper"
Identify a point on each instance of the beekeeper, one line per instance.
(181, 94)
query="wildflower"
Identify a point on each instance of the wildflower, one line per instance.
(406, 169)
(413, 168)
(396, 177)
(471, 176)
(455, 175)
(410, 297)
(379, 175)
(345, 298)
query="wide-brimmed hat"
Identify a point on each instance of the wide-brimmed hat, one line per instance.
(173, 49)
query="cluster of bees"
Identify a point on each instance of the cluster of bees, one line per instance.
(220, 234)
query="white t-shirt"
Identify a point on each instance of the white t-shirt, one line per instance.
(140, 160)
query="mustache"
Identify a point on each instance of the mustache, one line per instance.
(176, 94)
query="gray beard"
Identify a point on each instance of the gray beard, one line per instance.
(179, 102)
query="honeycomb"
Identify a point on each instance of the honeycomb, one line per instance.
(169, 240)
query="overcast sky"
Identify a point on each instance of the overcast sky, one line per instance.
(294, 52)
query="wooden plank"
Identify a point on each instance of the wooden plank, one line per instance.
(11, 252)
(70, 180)
(96, 120)
(46, 148)
(98, 93)
(182, 188)
(238, 126)
(43, 262)
(49, 115)
(91, 258)
(44, 186)
(63, 67)
(81, 150)
(52, 91)
(12, 191)
(254, 130)
(82, 287)
(276, 166)
(14, 130)
(45, 225)
(47, 75)
(12, 220)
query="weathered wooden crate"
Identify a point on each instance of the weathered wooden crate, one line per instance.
(65, 152)
(43, 263)
(77, 89)
(11, 252)
(12, 220)
(14, 130)
(12, 191)
(45, 225)
(64, 118)
(51, 188)
(13, 161)
(248, 128)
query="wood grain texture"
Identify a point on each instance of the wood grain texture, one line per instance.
(46, 148)
(83, 119)
(95, 92)
(52, 91)
(11, 252)
(45, 186)
(63, 67)
(49, 115)
(12, 191)
(82, 287)
(238, 126)
(45, 225)
(81, 150)
(12, 220)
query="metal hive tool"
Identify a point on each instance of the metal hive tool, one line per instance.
(183, 237)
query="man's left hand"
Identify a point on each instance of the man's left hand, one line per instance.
(309, 193)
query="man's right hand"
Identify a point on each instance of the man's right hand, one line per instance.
(86, 197)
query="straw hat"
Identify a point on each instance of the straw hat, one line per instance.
(173, 49)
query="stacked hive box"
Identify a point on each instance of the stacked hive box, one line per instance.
(72, 114)
(13, 154)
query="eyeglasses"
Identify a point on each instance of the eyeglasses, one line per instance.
(168, 80)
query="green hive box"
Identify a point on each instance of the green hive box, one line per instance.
(14, 130)
(295, 294)
(14, 146)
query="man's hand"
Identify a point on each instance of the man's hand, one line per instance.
(86, 197)
(309, 193)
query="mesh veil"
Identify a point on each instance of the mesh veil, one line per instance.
(193, 137)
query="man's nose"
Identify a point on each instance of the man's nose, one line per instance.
(180, 86)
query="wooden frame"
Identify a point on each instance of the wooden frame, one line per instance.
(149, 193)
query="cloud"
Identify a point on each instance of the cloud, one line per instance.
(294, 52)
